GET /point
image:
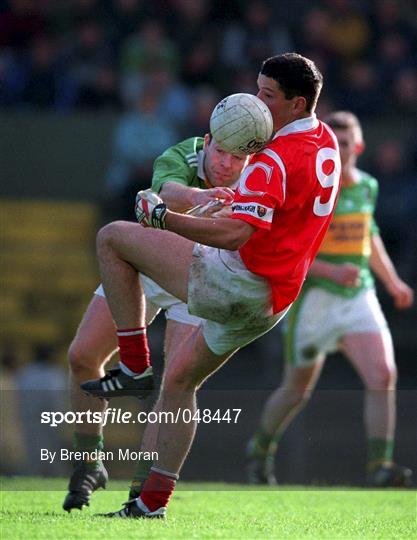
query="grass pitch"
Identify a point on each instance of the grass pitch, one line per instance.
(211, 511)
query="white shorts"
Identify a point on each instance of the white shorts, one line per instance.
(234, 303)
(319, 319)
(156, 299)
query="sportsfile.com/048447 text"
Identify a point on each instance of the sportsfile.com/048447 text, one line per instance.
(117, 416)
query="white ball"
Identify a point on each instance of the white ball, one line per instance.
(241, 124)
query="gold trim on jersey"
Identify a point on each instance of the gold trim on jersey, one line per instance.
(348, 234)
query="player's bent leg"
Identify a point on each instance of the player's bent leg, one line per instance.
(372, 355)
(279, 410)
(185, 373)
(124, 249)
(179, 340)
(193, 364)
(93, 345)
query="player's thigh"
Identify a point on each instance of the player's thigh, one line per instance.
(192, 364)
(372, 355)
(95, 338)
(311, 329)
(163, 256)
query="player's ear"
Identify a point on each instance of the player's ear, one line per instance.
(207, 139)
(359, 148)
(299, 105)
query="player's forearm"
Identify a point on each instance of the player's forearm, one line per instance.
(223, 233)
(177, 197)
(322, 269)
(380, 262)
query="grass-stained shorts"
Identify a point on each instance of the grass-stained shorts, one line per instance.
(158, 298)
(235, 303)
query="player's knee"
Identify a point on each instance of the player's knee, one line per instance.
(179, 380)
(106, 235)
(385, 378)
(301, 395)
(82, 363)
(297, 395)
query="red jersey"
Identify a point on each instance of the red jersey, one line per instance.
(288, 192)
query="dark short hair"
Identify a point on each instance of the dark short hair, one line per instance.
(296, 76)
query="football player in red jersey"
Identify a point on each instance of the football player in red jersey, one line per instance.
(240, 273)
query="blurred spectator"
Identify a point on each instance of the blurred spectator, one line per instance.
(41, 83)
(204, 100)
(82, 63)
(360, 93)
(41, 386)
(349, 32)
(102, 92)
(405, 92)
(21, 24)
(200, 65)
(190, 22)
(13, 76)
(242, 80)
(392, 16)
(259, 36)
(12, 444)
(397, 194)
(147, 48)
(126, 16)
(392, 56)
(140, 136)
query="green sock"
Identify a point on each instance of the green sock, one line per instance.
(259, 445)
(143, 468)
(84, 442)
(379, 451)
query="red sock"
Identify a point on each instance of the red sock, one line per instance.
(134, 350)
(157, 489)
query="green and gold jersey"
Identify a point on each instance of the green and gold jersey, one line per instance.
(349, 236)
(182, 163)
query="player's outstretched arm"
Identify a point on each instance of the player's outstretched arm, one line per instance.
(220, 232)
(223, 233)
(382, 266)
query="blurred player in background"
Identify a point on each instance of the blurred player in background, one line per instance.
(189, 174)
(245, 282)
(338, 309)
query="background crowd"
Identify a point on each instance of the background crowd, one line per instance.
(160, 66)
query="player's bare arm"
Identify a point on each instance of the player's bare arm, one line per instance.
(381, 264)
(180, 198)
(346, 274)
(223, 233)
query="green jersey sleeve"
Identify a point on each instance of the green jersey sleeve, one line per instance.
(374, 187)
(178, 164)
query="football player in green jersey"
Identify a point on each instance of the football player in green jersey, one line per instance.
(338, 309)
(187, 175)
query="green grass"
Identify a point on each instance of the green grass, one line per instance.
(211, 511)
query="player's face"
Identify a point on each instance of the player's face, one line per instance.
(222, 169)
(347, 146)
(282, 109)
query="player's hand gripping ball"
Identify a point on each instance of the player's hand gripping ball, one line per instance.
(150, 209)
(212, 209)
(241, 124)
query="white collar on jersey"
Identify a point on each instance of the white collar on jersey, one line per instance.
(303, 124)
(200, 165)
